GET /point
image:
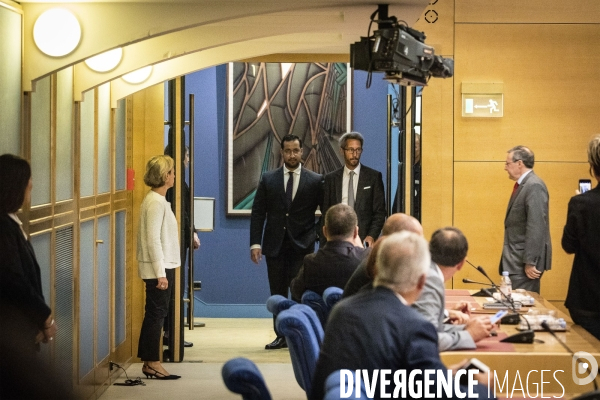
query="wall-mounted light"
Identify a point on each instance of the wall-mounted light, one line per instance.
(138, 76)
(106, 61)
(56, 32)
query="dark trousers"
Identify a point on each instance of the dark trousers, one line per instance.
(157, 307)
(169, 317)
(283, 268)
(590, 321)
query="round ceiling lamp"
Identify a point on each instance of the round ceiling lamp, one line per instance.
(138, 76)
(106, 61)
(56, 32)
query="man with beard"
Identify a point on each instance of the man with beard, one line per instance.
(287, 199)
(358, 186)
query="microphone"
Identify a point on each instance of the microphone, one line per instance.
(593, 395)
(521, 337)
(465, 280)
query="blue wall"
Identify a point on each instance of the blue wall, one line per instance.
(232, 285)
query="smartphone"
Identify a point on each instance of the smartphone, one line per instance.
(498, 316)
(474, 363)
(585, 185)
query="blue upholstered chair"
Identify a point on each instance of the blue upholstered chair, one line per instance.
(278, 303)
(315, 301)
(243, 377)
(302, 343)
(313, 319)
(332, 295)
(332, 388)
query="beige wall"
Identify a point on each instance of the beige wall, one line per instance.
(546, 57)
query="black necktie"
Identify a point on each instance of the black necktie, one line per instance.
(289, 190)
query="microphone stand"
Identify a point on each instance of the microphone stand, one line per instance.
(481, 293)
(593, 395)
(521, 337)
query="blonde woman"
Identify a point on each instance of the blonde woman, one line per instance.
(158, 256)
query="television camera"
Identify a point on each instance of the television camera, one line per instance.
(400, 52)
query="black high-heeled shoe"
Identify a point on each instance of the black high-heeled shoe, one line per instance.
(157, 374)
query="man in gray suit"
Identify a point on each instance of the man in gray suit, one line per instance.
(527, 250)
(448, 247)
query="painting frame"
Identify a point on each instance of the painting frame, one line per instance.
(316, 104)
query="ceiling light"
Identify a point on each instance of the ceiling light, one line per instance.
(56, 32)
(106, 61)
(138, 76)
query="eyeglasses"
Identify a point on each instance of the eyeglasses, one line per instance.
(352, 151)
(288, 152)
(512, 162)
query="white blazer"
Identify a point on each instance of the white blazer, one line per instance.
(158, 237)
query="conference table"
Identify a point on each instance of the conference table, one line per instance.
(521, 369)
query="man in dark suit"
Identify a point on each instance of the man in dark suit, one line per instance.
(527, 251)
(378, 330)
(287, 199)
(335, 262)
(358, 186)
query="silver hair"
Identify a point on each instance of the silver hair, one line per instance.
(524, 154)
(351, 136)
(402, 259)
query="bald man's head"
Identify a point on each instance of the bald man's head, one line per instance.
(401, 222)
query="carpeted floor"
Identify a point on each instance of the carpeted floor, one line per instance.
(219, 341)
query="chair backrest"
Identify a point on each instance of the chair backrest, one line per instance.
(302, 343)
(332, 295)
(333, 387)
(241, 376)
(277, 303)
(315, 301)
(313, 319)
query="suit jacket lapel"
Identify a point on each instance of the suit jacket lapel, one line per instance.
(300, 184)
(338, 181)
(359, 188)
(279, 184)
(514, 198)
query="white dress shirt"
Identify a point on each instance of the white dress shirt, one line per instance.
(14, 217)
(346, 179)
(523, 176)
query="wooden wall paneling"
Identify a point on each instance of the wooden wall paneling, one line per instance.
(531, 11)
(550, 84)
(437, 21)
(437, 155)
(481, 194)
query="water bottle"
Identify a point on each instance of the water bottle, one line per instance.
(506, 285)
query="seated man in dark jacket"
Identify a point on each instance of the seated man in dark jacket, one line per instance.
(333, 264)
(376, 331)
